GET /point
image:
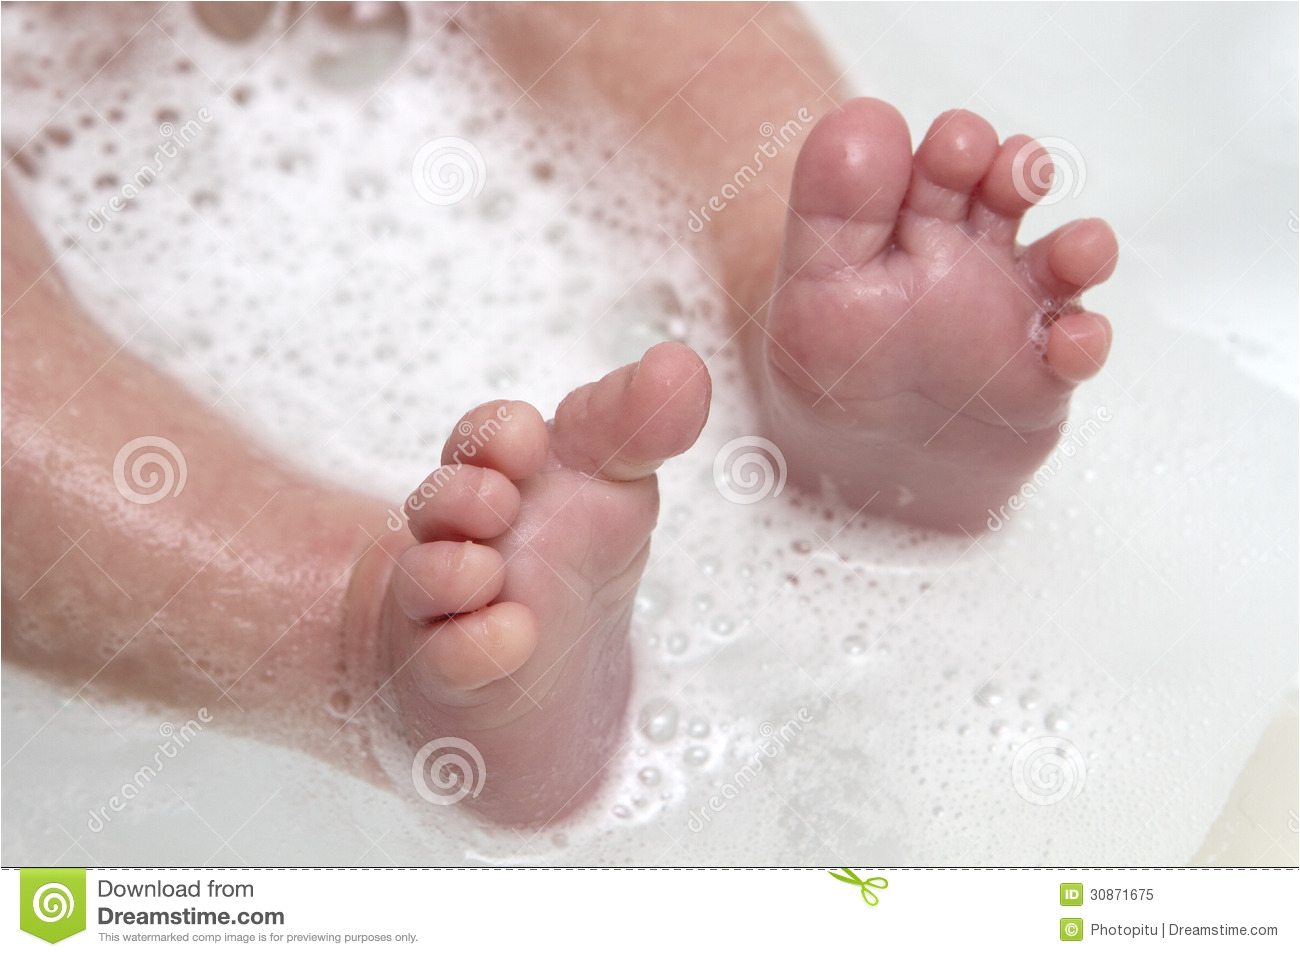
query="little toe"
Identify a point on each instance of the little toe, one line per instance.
(509, 437)
(1019, 176)
(1073, 258)
(461, 502)
(849, 181)
(446, 578)
(950, 162)
(467, 652)
(623, 427)
(1077, 345)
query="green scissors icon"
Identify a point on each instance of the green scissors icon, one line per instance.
(868, 894)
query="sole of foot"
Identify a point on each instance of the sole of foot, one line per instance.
(917, 359)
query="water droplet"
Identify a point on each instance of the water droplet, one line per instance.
(678, 642)
(506, 378)
(723, 625)
(709, 565)
(651, 600)
(560, 840)
(648, 776)
(497, 205)
(1055, 721)
(989, 695)
(659, 720)
(696, 755)
(383, 228)
(1030, 700)
(854, 645)
(365, 186)
(703, 602)
(998, 728)
(621, 811)
(236, 24)
(697, 728)
(802, 547)
(352, 45)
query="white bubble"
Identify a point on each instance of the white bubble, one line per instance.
(658, 720)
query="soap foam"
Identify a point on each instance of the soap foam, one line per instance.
(285, 265)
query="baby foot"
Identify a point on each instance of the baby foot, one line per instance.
(511, 592)
(917, 359)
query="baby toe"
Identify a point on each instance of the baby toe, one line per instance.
(507, 436)
(446, 578)
(467, 652)
(460, 502)
(950, 162)
(1075, 257)
(1019, 176)
(1077, 345)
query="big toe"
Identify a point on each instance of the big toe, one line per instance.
(626, 425)
(849, 182)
